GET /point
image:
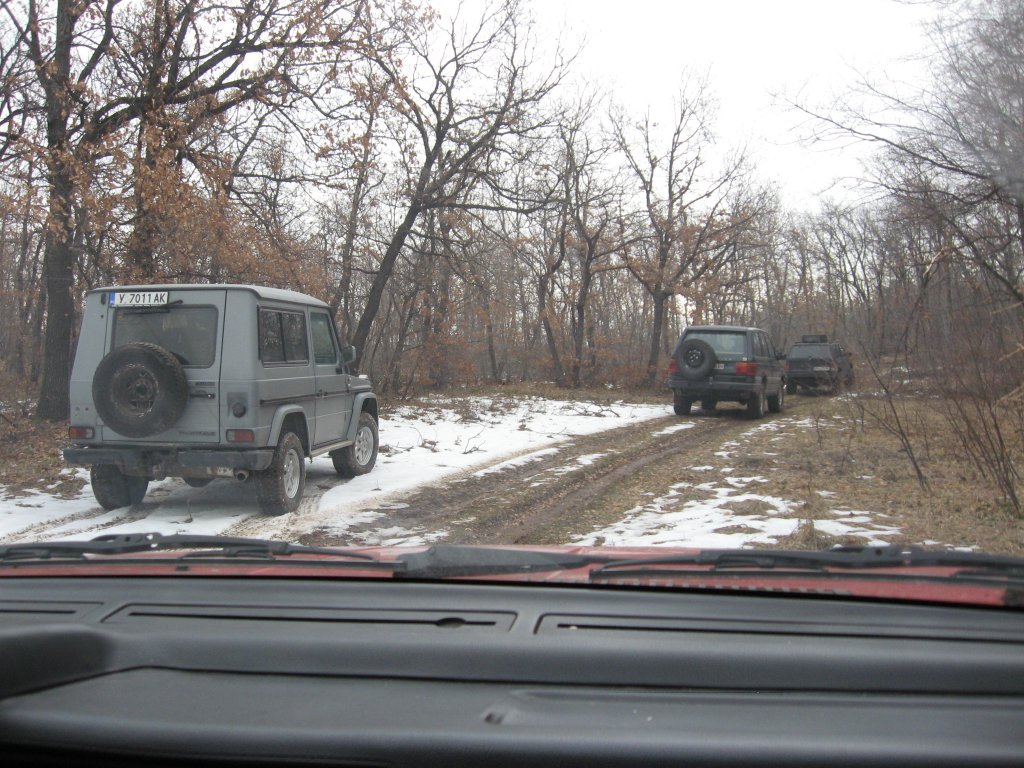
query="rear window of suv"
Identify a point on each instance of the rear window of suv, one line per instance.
(728, 345)
(810, 350)
(189, 333)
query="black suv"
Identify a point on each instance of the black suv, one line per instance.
(816, 362)
(727, 362)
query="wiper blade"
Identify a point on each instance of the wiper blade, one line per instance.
(133, 543)
(846, 558)
(450, 561)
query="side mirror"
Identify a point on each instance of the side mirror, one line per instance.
(348, 354)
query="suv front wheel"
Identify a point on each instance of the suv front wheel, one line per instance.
(358, 458)
(279, 487)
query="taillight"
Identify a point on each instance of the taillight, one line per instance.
(673, 366)
(81, 433)
(746, 369)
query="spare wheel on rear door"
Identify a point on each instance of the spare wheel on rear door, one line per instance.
(696, 359)
(140, 389)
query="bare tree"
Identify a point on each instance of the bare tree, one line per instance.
(460, 103)
(690, 229)
(212, 58)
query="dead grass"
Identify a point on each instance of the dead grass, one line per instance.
(848, 453)
(605, 395)
(30, 455)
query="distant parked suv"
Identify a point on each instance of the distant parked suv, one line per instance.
(815, 362)
(208, 381)
(712, 363)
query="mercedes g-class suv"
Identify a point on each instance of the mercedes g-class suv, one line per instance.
(815, 362)
(208, 381)
(712, 363)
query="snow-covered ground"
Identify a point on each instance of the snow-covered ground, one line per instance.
(418, 446)
(428, 443)
(728, 512)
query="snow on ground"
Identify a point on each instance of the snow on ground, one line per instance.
(420, 445)
(441, 439)
(715, 522)
(728, 513)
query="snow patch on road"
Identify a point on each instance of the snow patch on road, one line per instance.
(432, 441)
(714, 522)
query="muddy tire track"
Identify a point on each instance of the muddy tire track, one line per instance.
(556, 495)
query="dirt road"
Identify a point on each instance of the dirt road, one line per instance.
(554, 495)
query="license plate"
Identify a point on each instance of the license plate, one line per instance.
(820, 368)
(138, 298)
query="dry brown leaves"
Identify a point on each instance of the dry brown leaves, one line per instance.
(30, 456)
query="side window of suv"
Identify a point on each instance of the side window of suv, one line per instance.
(759, 348)
(324, 352)
(282, 337)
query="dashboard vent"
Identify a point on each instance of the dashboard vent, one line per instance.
(492, 621)
(826, 625)
(21, 611)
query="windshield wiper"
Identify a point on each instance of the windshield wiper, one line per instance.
(847, 558)
(133, 543)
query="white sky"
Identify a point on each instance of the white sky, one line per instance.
(753, 50)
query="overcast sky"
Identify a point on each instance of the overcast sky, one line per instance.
(756, 52)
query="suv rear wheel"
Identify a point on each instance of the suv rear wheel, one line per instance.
(279, 487)
(113, 488)
(757, 404)
(681, 405)
(777, 401)
(358, 458)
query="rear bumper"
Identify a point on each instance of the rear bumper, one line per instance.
(712, 389)
(172, 462)
(813, 379)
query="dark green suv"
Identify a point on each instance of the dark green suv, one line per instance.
(816, 363)
(712, 363)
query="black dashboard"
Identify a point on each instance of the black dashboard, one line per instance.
(162, 671)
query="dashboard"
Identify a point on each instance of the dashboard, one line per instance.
(272, 671)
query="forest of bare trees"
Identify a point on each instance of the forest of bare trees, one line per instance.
(474, 216)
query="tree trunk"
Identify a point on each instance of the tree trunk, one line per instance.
(556, 360)
(660, 299)
(58, 257)
(58, 272)
(380, 280)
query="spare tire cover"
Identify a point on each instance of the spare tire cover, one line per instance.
(697, 359)
(140, 389)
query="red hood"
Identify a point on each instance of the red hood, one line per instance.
(905, 583)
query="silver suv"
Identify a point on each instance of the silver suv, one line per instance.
(208, 381)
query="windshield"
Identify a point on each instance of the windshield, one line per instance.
(514, 274)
